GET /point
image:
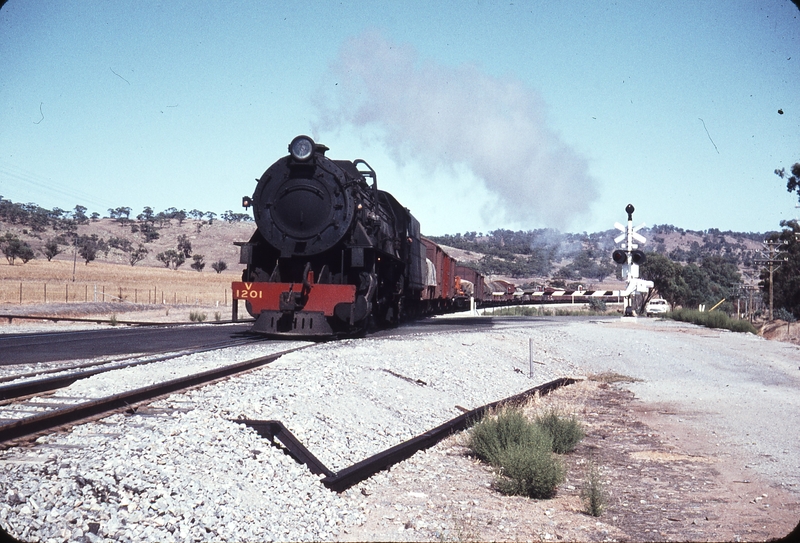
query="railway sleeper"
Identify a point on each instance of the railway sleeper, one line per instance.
(346, 478)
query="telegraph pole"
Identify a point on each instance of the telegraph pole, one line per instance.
(772, 247)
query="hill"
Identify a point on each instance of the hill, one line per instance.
(178, 240)
(561, 259)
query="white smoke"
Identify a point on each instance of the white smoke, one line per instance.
(449, 117)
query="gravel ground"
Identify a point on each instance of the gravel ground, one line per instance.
(183, 470)
(742, 386)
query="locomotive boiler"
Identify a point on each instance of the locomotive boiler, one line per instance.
(332, 254)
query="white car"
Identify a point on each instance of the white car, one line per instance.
(656, 306)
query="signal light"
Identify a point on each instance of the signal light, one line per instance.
(619, 256)
(637, 257)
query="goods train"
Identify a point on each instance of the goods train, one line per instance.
(333, 255)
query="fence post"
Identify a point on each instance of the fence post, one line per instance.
(530, 357)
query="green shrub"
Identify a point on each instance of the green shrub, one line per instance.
(534, 472)
(711, 319)
(565, 432)
(593, 494)
(596, 304)
(523, 450)
(197, 316)
(531, 311)
(493, 435)
(742, 326)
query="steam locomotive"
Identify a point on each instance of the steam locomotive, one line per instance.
(332, 254)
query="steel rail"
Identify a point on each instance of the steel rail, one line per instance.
(344, 479)
(69, 415)
(27, 388)
(12, 316)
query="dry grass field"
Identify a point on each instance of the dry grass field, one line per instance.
(40, 281)
(115, 292)
(110, 285)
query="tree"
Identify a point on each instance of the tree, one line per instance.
(723, 274)
(146, 215)
(793, 180)
(171, 258)
(198, 215)
(181, 216)
(120, 214)
(198, 263)
(89, 246)
(230, 216)
(9, 244)
(26, 253)
(166, 257)
(79, 214)
(698, 286)
(716, 277)
(137, 255)
(51, 249)
(666, 277)
(184, 245)
(148, 231)
(123, 244)
(14, 248)
(219, 266)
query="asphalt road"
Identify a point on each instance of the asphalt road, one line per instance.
(81, 344)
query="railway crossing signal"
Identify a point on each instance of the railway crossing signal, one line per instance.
(631, 257)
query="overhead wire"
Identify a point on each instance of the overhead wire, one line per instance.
(44, 189)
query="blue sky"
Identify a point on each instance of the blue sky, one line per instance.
(475, 115)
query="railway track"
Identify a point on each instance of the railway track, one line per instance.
(42, 414)
(47, 347)
(25, 384)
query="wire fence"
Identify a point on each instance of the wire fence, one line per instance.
(31, 292)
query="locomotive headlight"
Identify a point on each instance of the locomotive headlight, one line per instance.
(301, 148)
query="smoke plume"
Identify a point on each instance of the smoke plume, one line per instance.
(449, 117)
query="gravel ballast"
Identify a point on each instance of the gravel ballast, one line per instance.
(184, 470)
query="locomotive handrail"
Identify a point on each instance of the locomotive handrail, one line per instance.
(371, 173)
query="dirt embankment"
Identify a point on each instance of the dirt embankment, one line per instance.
(779, 330)
(661, 484)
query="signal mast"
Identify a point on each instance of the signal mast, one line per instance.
(630, 257)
